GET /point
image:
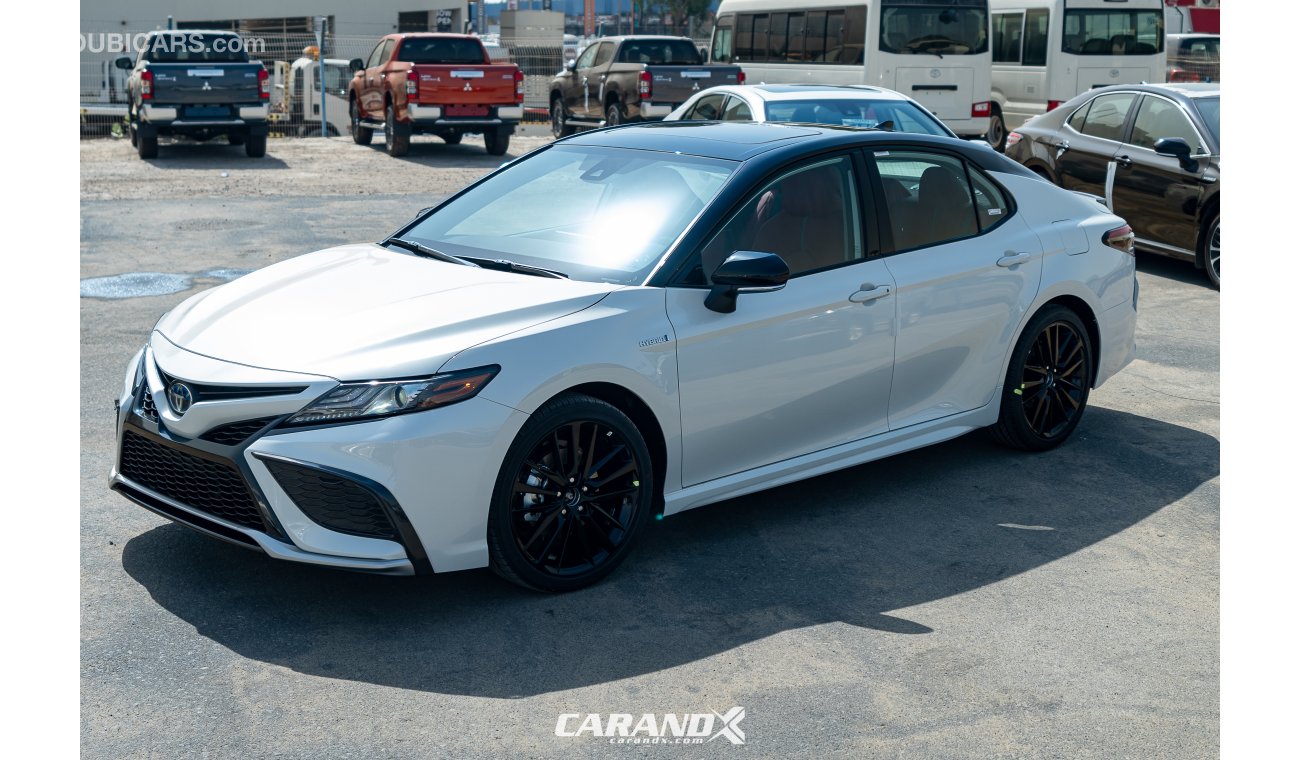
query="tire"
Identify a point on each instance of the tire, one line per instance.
(360, 135)
(558, 116)
(255, 147)
(236, 139)
(497, 142)
(146, 145)
(1209, 244)
(452, 138)
(1047, 383)
(134, 140)
(997, 134)
(570, 537)
(614, 115)
(396, 140)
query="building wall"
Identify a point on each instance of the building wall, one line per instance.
(372, 17)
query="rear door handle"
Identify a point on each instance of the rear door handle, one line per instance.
(871, 292)
(1061, 147)
(1011, 259)
(1124, 161)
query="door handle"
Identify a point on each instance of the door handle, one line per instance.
(1012, 258)
(1061, 147)
(1124, 161)
(871, 292)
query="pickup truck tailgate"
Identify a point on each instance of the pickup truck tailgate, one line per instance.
(205, 83)
(676, 84)
(464, 84)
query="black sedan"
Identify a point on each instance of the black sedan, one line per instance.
(1152, 151)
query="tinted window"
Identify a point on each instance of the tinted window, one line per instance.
(1106, 116)
(737, 110)
(184, 47)
(1157, 118)
(1209, 108)
(440, 50)
(1035, 38)
(808, 216)
(907, 27)
(794, 46)
(745, 37)
(1006, 37)
(928, 197)
(658, 52)
(991, 204)
(1113, 32)
(818, 36)
(905, 116)
(1077, 118)
(707, 108)
(723, 38)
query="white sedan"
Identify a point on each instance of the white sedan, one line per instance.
(624, 325)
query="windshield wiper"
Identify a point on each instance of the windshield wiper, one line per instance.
(428, 252)
(506, 265)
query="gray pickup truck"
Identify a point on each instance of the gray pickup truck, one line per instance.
(200, 84)
(641, 78)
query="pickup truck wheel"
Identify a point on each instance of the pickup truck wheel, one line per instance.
(397, 143)
(497, 142)
(236, 139)
(558, 117)
(256, 146)
(360, 135)
(146, 145)
(614, 115)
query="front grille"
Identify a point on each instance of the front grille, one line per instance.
(332, 501)
(198, 483)
(204, 392)
(236, 433)
(147, 408)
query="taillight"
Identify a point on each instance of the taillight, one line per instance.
(980, 109)
(264, 84)
(519, 86)
(1183, 75)
(146, 85)
(412, 86)
(1052, 105)
(1013, 138)
(1121, 239)
(645, 87)
(740, 77)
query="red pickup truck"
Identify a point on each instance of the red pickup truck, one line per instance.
(440, 84)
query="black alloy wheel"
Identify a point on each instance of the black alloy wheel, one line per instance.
(572, 496)
(558, 127)
(1047, 382)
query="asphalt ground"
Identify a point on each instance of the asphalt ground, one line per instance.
(961, 601)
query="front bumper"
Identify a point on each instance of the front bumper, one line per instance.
(423, 480)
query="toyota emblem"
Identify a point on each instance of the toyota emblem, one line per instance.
(179, 397)
(935, 73)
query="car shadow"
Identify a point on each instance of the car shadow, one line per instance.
(853, 546)
(1176, 270)
(213, 155)
(436, 154)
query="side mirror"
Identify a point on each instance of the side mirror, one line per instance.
(124, 62)
(1179, 149)
(745, 272)
(356, 64)
(571, 65)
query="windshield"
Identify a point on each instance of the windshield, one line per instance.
(181, 47)
(1209, 110)
(858, 113)
(653, 52)
(451, 50)
(1106, 32)
(596, 214)
(917, 28)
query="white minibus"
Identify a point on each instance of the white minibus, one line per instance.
(1047, 51)
(934, 51)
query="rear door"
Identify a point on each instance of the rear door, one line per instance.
(1089, 140)
(945, 92)
(967, 269)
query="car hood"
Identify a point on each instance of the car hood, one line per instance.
(363, 312)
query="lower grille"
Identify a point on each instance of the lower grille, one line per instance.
(236, 432)
(147, 408)
(333, 501)
(197, 483)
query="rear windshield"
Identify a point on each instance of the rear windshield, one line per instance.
(1106, 32)
(1209, 108)
(672, 52)
(182, 47)
(440, 50)
(893, 115)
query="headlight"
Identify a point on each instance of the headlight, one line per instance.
(383, 398)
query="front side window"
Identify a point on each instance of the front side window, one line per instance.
(376, 55)
(1107, 115)
(807, 216)
(952, 28)
(1157, 118)
(588, 55)
(723, 38)
(596, 214)
(1113, 32)
(928, 197)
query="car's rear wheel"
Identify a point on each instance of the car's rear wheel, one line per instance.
(255, 146)
(397, 139)
(558, 117)
(997, 134)
(1047, 382)
(146, 144)
(1210, 248)
(360, 135)
(574, 493)
(614, 115)
(497, 142)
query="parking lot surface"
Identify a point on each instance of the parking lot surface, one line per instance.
(958, 601)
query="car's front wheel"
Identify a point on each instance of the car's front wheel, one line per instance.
(574, 493)
(1047, 382)
(558, 118)
(360, 135)
(1210, 248)
(397, 138)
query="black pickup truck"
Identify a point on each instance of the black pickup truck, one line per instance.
(200, 84)
(641, 78)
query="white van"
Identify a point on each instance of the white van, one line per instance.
(934, 51)
(1047, 51)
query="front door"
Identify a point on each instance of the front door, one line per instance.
(800, 369)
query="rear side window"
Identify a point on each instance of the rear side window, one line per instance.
(1107, 115)
(991, 204)
(737, 110)
(929, 198)
(1077, 118)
